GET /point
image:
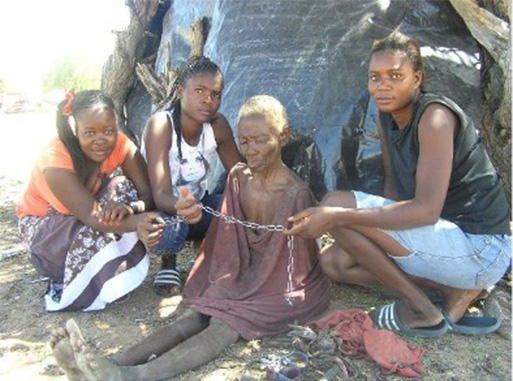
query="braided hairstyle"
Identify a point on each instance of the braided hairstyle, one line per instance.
(84, 100)
(195, 65)
(397, 41)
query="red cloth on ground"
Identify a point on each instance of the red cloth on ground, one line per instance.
(240, 275)
(361, 339)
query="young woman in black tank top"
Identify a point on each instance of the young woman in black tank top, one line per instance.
(443, 222)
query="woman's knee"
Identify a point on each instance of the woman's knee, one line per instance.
(173, 238)
(197, 318)
(229, 335)
(119, 188)
(339, 198)
(335, 263)
(331, 264)
(327, 266)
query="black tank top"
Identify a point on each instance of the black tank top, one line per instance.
(475, 201)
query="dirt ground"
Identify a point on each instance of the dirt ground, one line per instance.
(25, 326)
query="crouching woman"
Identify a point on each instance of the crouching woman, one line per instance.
(83, 227)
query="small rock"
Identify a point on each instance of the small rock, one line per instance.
(19, 347)
(52, 370)
(498, 305)
(324, 344)
(302, 332)
(248, 377)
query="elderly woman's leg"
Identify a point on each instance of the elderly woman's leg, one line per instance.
(161, 341)
(191, 353)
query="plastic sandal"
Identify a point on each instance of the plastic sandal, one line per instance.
(386, 317)
(473, 325)
(165, 279)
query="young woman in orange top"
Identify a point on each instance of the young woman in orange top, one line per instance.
(82, 226)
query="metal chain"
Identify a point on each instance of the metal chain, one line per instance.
(290, 269)
(253, 225)
(246, 224)
(173, 220)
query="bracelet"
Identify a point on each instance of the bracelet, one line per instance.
(134, 207)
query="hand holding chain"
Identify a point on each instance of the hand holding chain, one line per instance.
(251, 225)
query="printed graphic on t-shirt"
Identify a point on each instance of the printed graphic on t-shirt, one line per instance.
(193, 170)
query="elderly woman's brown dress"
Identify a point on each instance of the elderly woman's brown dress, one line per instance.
(241, 274)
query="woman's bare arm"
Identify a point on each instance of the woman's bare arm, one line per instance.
(437, 128)
(135, 168)
(157, 142)
(69, 190)
(226, 147)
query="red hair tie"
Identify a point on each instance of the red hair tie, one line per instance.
(68, 107)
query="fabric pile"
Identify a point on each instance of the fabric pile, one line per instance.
(360, 339)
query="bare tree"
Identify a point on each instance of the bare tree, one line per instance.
(119, 70)
(491, 29)
(159, 86)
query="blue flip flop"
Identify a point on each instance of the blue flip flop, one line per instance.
(473, 325)
(386, 317)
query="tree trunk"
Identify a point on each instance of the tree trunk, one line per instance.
(491, 29)
(119, 70)
(160, 86)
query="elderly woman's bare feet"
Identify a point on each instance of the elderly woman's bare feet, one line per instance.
(94, 366)
(61, 347)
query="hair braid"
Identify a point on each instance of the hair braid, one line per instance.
(195, 65)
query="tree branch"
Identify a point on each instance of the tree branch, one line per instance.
(490, 31)
(160, 86)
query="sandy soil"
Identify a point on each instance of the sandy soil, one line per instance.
(25, 326)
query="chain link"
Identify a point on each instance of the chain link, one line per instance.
(273, 228)
(290, 270)
(173, 220)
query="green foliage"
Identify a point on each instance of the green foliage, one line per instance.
(72, 72)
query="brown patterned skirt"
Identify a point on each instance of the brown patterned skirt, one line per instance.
(88, 269)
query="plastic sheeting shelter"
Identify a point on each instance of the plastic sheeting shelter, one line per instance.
(313, 56)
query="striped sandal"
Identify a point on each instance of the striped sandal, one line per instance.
(386, 317)
(168, 282)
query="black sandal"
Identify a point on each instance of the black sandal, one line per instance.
(167, 279)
